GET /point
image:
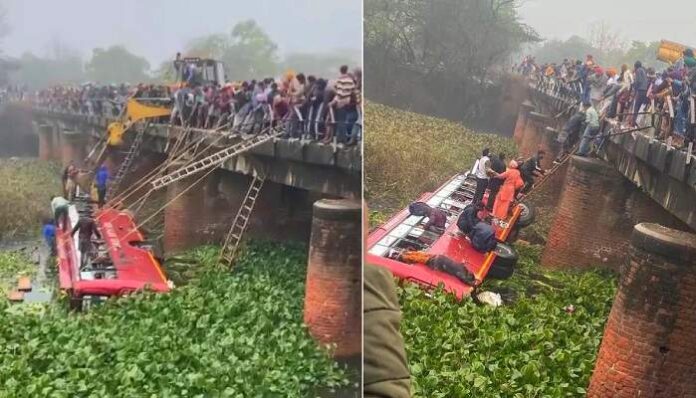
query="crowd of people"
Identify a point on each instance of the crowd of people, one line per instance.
(12, 92)
(302, 106)
(625, 95)
(305, 106)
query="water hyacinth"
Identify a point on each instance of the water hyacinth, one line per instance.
(224, 334)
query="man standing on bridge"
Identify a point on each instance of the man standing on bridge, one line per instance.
(591, 131)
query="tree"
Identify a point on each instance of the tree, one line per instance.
(321, 64)
(604, 39)
(444, 52)
(117, 65)
(248, 52)
(575, 47)
(61, 65)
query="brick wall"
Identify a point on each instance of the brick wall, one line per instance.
(533, 131)
(333, 307)
(648, 347)
(183, 217)
(590, 227)
(522, 117)
(45, 145)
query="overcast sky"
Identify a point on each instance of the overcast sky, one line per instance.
(644, 20)
(157, 29)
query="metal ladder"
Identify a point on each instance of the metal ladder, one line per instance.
(126, 163)
(212, 160)
(234, 236)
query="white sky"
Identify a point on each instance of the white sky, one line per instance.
(157, 29)
(673, 20)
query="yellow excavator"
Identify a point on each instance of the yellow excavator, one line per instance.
(670, 51)
(134, 112)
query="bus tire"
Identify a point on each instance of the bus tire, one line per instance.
(504, 262)
(527, 216)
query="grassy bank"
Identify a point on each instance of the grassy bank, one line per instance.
(27, 185)
(533, 345)
(224, 334)
(407, 154)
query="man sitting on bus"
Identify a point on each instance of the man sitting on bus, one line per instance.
(469, 217)
(482, 237)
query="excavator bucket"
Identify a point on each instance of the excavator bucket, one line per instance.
(670, 51)
(135, 111)
(115, 132)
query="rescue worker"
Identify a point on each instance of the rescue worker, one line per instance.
(570, 133)
(385, 367)
(482, 170)
(512, 181)
(591, 130)
(482, 237)
(59, 208)
(49, 233)
(531, 168)
(67, 171)
(498, 165)
(469, 217)
(101, 180)
(87, 228)
(439, 263)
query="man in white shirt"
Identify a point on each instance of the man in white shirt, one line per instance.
(482, 170)
(591, 129)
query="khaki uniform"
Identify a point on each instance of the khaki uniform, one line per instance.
(386, 371)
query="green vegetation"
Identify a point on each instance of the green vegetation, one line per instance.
(407, 154)
(27, 185)
(12, 265)
(224, 334)
(531, 347)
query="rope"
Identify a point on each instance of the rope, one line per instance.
(212, 169)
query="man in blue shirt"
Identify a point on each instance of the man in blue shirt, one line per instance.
(49, 233)
(102, 178)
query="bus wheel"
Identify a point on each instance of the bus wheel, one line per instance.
(527, 215)
(504, 263)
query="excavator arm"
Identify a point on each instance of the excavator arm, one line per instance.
(135, 111)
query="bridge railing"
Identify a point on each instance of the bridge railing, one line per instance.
(673, 119)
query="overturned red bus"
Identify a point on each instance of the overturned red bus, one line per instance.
(406, 232)
(123, 262)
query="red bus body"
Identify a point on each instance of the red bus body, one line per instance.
(450, 243)
(134, 268)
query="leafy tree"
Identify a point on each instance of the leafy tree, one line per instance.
(442, 52)
(556, 50)
(248, 52)
(322, 64)
(62, 65)
(117, 65)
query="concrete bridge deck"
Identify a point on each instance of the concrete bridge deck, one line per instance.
(327, 168)
(665, 173)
